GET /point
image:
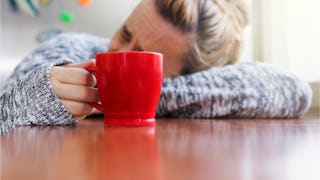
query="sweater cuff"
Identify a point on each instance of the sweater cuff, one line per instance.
(43, 106)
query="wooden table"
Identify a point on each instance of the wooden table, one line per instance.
(243, 149)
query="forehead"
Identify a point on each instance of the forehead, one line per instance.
(154, 32)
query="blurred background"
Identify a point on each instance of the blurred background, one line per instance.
(285, 33)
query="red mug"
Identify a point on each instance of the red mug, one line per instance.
(129, 86)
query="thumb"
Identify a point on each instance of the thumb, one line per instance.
(86, 64)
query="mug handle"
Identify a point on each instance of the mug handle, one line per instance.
(98, 106)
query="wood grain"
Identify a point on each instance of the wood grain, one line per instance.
(235, 149)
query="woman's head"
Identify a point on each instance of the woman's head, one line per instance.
(193, 35)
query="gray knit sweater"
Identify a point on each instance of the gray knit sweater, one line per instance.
(244, 90)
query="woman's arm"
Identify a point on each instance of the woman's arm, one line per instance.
(31, 101)
(247, 90)
(28, 98)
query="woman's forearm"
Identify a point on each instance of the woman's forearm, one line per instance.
(248, 90)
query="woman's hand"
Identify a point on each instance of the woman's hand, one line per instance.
(75, 87)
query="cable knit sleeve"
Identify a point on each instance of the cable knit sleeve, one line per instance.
(247, 90)
(28, 98)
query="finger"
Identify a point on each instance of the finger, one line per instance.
(76, 93)
(86, 64)
(73, 75)
(95, 111)
(78, 109)
(80, 118)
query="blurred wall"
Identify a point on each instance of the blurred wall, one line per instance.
(287, 33)
(19, 31)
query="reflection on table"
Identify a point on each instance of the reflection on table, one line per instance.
(175, 149)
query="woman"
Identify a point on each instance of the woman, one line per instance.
(47, 88)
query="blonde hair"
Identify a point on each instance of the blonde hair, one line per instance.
(217, 26)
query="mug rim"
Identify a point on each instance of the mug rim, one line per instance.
(130, 52)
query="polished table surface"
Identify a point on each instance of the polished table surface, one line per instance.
(235, 149)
